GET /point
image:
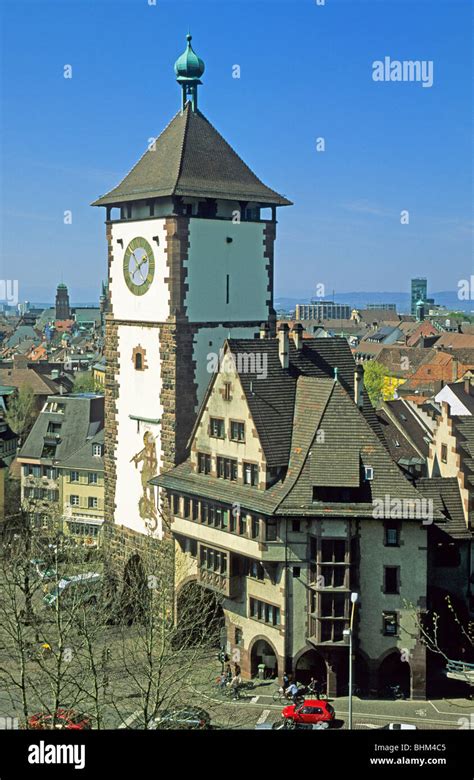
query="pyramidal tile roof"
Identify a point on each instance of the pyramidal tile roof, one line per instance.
(190, 158)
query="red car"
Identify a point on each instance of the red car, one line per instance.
(310, 711)
(62, 719)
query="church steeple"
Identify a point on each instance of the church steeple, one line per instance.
(189, 69)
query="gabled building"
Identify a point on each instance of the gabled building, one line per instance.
(62, 464)
(289, 501)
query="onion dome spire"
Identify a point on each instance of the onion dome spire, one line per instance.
(189, 69)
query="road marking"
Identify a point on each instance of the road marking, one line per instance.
(389, 718)
(129, 720)
(436, 709)
(254, 699)
(263, 717)
(368, 725)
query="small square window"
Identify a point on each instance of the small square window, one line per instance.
(217, 428)
(444, 453)
(369, 473)
(296, 526)
(392, 536)
(296, 571)
(237, 431)
(390, 624)
(391, 579)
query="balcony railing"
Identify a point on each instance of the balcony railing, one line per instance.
(222, 583)
(241, 544)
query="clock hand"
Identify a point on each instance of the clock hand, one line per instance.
(144, 259)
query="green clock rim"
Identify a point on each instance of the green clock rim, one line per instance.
(135, 243)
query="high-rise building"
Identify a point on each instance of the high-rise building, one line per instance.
(419, 289)
(190, 256)
(63, 310)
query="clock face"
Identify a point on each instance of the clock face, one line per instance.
(138, 266)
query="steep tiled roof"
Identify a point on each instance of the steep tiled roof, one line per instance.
(399, 447)
(81, 421)
(331, 442)
(191, 158)
(454, 340)
(409, 423)
(271, 401)
(347, 445)
(28, 377)
(446, 499)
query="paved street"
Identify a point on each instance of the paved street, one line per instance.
(122, 707)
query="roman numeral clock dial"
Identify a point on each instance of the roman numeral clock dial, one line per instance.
(138, 266)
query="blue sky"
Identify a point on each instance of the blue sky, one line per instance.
(306, 72)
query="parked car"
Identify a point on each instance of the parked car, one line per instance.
(398, 726)
(42, 569)
(310, 711)
(61, 719)
(183, 718)
(286, 724)
(79, 588)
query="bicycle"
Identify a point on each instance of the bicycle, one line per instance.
(281, 697)
(318, 691)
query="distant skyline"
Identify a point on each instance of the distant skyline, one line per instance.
(305, 73)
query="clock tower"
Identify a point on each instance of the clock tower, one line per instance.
(190, 233)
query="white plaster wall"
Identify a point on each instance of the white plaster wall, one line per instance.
(139, 395)
(210, 341)
(153, 306)
(456, 406)
(211, 258)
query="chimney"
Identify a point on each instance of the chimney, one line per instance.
(264, 330)
(467, 386)
(454, 366)
(297, 331)
(359, 385)
(284, 345)
(20, 361)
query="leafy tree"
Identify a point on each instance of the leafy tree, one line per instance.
(21, 412)
(374, 376)
(84, 382)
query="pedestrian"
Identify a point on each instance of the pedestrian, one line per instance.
(292, 692)
(235, 684)
(237, 670)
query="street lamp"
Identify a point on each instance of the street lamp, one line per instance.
(348, 633)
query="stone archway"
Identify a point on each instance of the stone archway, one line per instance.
(199, 616)
(309, 663)
(262, 651)
(394, 670)
(135, 594)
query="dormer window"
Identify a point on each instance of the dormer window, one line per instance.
(369, 473)
(97, 450)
